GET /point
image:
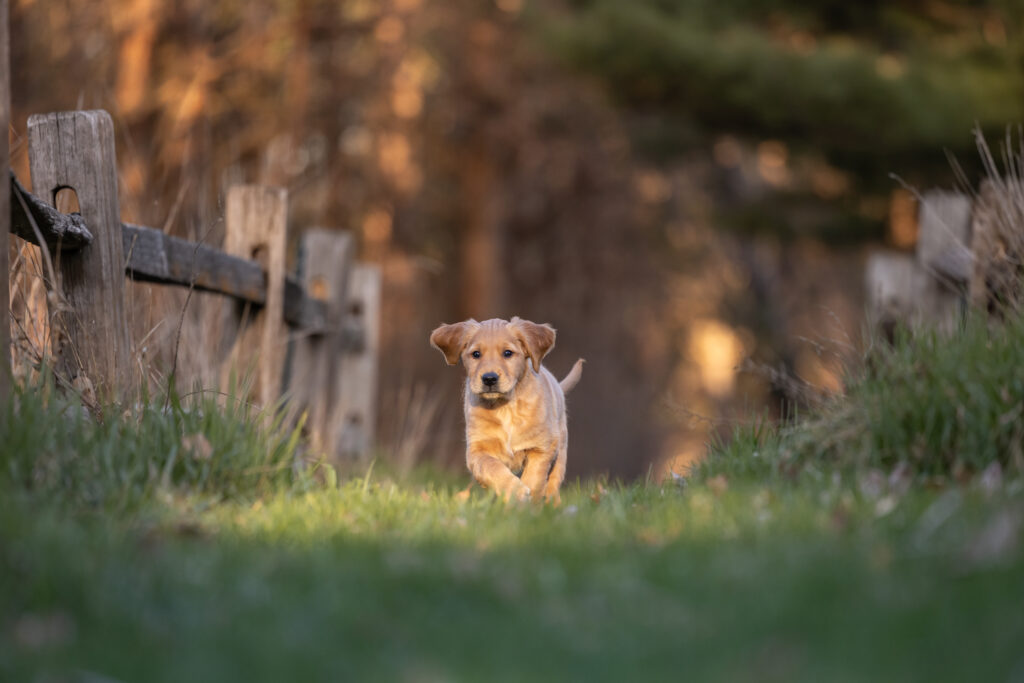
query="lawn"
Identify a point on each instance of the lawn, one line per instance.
(708, 581)
(879, 538)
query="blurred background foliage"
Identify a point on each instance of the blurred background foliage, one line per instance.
(677, 186)
(858, 82)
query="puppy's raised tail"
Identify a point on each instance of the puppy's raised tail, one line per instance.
(573, 377)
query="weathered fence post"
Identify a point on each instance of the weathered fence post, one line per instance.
(76, 150)
(945, 227)
(929, 285)
(995, 244)
(255, 221)
(5, 207)
(326, 262)
(355, 412)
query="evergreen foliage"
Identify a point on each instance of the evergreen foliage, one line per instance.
(861, 81)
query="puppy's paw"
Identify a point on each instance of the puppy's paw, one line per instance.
(552, 497)
(520, 494)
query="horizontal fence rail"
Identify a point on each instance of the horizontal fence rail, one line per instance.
(33, 220)
(154, 256)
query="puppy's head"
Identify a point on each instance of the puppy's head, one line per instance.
(496, 353)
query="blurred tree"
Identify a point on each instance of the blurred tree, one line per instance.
(856, 90)
(861, 82)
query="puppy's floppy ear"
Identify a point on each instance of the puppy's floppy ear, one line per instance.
(451, 339)
(536, 339)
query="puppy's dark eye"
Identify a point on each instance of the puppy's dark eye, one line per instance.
(475, 354)
(508, 353)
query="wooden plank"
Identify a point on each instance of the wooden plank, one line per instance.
(76, 150)
(156, 257)
(945, 224)
(355, 408)
(325, 263)
(153, 256)
(256, 228)
(65, 231)
(5, 208)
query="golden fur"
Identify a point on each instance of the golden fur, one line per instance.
(517, 424)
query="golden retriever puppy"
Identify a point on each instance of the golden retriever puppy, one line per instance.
(515, 408)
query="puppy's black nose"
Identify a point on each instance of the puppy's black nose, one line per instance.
(489, 378)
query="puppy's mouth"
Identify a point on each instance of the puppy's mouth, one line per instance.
(491, 394)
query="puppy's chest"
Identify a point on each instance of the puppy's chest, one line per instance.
(518, 430)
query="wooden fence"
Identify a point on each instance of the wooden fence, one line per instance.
(5, 206)
(968, 249)
(324, 319)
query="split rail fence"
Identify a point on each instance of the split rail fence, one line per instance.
(310, 339)
(968, 248)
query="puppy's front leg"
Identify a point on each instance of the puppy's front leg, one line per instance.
(554, 481)
(538, 467)
(492, 473)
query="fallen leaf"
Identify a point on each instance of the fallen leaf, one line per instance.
(198, 446)
(885, 505)
(991, 479)
(872, 484)
(718, 485)
(840, 517)
(900, 479)
(998, 539)
(83, 386)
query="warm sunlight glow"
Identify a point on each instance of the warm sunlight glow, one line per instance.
(654, 187)
(389, 30)
(394, 158)
(772, 162)
(717, 349)
(728, 152)
(890, 67)
(377, 226)
(902, 219)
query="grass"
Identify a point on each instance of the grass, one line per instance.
(934, 407)
(181, 544)
(117, 459)
(379, 581)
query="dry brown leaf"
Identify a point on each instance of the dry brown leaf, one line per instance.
(198, 445)
(83, 386)
(718, 485)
